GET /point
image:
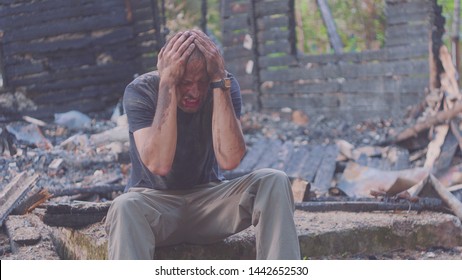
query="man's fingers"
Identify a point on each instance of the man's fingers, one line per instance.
(205, 45)
(179, 42)
(172, 40)
(186, 45)
(200, 45)
(161, 53)
(189, 50)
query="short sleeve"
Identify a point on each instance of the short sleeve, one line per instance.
(139, 102)
(236, 95)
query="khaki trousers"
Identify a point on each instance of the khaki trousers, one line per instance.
(143, 218)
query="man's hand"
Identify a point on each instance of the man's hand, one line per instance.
(173, 56)
(213, 57)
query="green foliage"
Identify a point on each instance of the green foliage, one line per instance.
(184, 14)
(360, 25)
(448, 13)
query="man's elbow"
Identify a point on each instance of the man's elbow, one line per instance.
(232, 162)
(162, 171)
(159, 169)
(229, 165)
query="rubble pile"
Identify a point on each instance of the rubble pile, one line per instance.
(83, 168)
(286, 126)
(65, 157)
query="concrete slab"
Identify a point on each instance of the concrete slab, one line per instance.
(320, 234)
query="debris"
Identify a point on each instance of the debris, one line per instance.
(345, 150)
(30, 238)
(29, 134)
(423, 204)
(426, 124)
(434, 148)
(100, 188)
(451, 176)
(33, 198)
(447, 197)
(300, 190)
(15, 191)
(118, 111)
(77, 141)
(359, 181)
(7, 142)
(34, 121)
(55, 166)
(116, 134)
(449, 75)
(326, 170)
(299, 118)
(76, 214)
(21, 233)
(73, 120)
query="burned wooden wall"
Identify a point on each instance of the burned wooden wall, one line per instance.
(237, 22)
(348, 85)
(75, 54)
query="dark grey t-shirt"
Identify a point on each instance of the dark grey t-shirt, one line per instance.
(194, 161)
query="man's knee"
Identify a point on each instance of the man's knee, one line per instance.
(122, 206)
(278, 176)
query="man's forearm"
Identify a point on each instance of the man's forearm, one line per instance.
(160, 139)
(228, 140)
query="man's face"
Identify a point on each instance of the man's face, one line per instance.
(193, 87)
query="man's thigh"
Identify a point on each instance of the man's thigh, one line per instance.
(165, 212)
(217, 212)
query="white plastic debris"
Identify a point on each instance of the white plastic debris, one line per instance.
(73, 119)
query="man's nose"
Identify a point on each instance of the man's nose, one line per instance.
(194, 90)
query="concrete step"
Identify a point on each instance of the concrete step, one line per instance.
(320, 234)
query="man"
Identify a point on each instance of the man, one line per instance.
(184, 128)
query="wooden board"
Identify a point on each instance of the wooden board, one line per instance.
(269, 158)
(268, 22)
(274, 35)
(319, 102)
(234, 52)
(402, 161)
(284, 155)
(268, 61)
(234, 7)
(282, 46)
(406, 41)
(75, 215)
(116, 35)
(26, 8)
(407, 8)
(294, 166)
(56, 13)
(326, 170)
(266, 8)
(236, 22)
(252, 157)
(374, 162)
(13, 192)
(311, 163)
(448, 150)
(69, 26)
